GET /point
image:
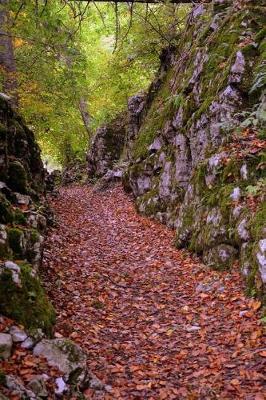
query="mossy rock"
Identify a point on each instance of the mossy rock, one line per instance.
(6, 214)
(4, 248)
(258, 223)
(28, 303)
(17, 177)
(19, 217)
(16, 241)
(220, 257)
(33, 237)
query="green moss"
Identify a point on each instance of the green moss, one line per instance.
(194, 245)
(258, 223)
(161, 111)
(6, 214)
(17, 177)
(261, 35)
(262, 135)
(199, 177)
(34, 236)
(67, 346)
(19, 217)
(185, 231)
(4, 249)
(252, 289)
(152, 206)
(220, 7)
(27, 304)
(231, 172)
(15, 239)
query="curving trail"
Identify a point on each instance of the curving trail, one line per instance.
(134, 303)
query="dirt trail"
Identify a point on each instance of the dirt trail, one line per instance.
(156, 323)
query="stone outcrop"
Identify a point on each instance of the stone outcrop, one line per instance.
(22, 224)
(69, 361)
(106, 147)
(196, 147)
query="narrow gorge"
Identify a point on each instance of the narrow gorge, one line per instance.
(193, 151)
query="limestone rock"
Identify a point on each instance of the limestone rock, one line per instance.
(28, 343)
(110, 177)
(3, 241)
(22, 199)
(61, 386)
(14, 269)
(63, 354)
(16, 385)
(238, 68)
(220, 257)
(106, 147)
(18, 335)
(261, 259)
(5, 345)
(38, 387)
(236, 194)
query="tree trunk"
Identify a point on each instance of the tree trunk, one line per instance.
(7, 60)
(83, 108)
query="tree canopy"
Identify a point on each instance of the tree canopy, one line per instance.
(77, 63)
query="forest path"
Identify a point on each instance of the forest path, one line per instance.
(155, 323)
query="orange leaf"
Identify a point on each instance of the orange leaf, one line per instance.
(255, 305)
(235, 382)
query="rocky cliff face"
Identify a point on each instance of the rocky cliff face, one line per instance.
(196, 148)
(22, 224)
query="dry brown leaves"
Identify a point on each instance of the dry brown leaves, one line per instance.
(128, 297)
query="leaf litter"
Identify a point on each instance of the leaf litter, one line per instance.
(155, 322)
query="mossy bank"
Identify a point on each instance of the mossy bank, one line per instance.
(22, 224)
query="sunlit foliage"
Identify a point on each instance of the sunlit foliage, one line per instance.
(98, 52)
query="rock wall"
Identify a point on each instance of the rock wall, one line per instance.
(22, 224)
(196, 149)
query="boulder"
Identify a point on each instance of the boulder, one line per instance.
(18, 335)
(65, 355)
